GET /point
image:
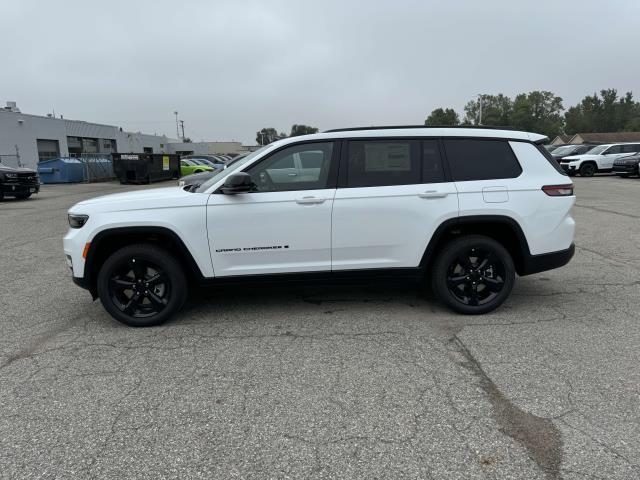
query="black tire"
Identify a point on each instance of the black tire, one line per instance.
(23, 196)
(623, 175)
(587, 170)
(142, 294)
(460, 280)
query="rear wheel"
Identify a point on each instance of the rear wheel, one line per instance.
(142, 285)
(473, 275)
(23, 196)
(587, 170)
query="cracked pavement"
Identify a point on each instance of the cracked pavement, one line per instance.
(321, 382)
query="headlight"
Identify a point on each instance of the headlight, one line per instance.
(77, 221)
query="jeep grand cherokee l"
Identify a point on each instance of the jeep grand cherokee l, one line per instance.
(466, 209)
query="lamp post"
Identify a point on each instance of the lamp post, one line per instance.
(480, 102)
(177, 132)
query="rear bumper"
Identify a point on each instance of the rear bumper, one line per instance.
(568, 168)
(547, 261)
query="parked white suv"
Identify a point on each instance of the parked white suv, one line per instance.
(599, 159)
(465, 208)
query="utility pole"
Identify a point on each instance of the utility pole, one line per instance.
(182, 125)
(177, 133)
(480, 101)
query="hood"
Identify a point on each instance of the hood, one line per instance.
(6, 168)
(584, 156)
(167, 197)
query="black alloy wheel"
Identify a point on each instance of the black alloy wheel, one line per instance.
(141, 285)
(473, 274)
(587, 170)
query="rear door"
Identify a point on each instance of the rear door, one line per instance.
(392, 195)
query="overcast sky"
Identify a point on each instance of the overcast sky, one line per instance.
(233, 67)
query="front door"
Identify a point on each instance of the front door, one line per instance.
(283, 226)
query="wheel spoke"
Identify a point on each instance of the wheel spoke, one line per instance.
(157, 301)
(122, 283)
(156, 279)
(139, 270)
(131, 304)
(473, 300)
(494, 285)
(464, 262)
(454, 282)
(486, 261)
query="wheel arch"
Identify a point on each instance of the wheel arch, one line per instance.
(503, 229)
(108, 241)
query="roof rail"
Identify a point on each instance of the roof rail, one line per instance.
(392, 127)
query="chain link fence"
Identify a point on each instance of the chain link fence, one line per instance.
(10, 160)
(98, 166)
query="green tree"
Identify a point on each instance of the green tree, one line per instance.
(538, 111)
(445, 117)
(603, 113)
(297, 130)
(496, 110)
(267, 136)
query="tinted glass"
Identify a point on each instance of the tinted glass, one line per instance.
(374, 163)
(614, 149)
(629, 148)
(475, 159)
(299, 167)
(432, 170)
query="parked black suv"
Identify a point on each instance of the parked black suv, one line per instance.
(18, 182)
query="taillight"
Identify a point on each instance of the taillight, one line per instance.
(558, 190)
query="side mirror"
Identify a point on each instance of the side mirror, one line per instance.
(238, 183)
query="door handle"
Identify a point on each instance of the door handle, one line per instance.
(309, 200)
(432, 194)
(293, 174)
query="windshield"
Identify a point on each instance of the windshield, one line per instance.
(230, 169)
(187, 162)
(563, 150)
(598, 150)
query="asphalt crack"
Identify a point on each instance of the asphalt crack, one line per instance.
(538, 435)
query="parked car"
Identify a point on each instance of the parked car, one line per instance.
(627, 166)
(570, 150)
(18, 182)
(196, 179)
(210, 160)
(188, 167)
(341, 204)
(550, 148)
(599, 159)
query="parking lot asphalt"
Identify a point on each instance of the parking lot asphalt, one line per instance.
(344, 382)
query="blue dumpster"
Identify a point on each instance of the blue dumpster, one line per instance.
(62, 170)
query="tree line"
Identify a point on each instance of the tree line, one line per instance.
(542, 112)
(269, 134)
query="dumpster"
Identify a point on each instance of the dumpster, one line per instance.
(145, 167)
(62, 170)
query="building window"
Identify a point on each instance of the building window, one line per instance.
(147, 149)
(47, 149)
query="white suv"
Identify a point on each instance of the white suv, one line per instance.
(599, 159)
(465, 208)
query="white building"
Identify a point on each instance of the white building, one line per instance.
(27, 139)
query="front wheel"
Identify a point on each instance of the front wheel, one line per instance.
(142, 285)
(587, 170)
(473, 275)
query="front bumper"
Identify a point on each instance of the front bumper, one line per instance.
(547, 261)
(567, 167)
(627, 169)
(19, 188)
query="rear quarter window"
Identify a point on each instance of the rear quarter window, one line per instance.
(478, 159)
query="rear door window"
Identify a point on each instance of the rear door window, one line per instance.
(375, 163)
(479, 159)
